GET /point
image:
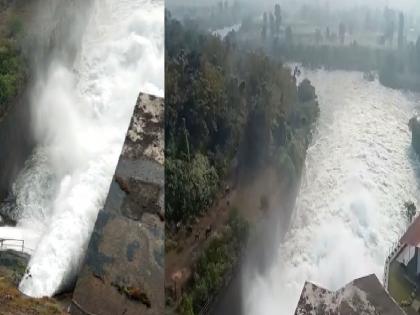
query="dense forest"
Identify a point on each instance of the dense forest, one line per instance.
(361, 39)
(217, 94)
(216, 15)
(12, 65)
(229, 112)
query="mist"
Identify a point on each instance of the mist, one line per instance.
(405, 5)
(90, 60)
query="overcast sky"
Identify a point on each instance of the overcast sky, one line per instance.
(406, 5)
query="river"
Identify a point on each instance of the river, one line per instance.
(223, 32)
(360, 169)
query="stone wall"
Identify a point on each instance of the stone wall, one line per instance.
(362, 296)
(124, 264)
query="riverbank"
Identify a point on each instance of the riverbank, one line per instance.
(264, 201)
(390, 66)
(397, 68)
(12, 302)
(232, 159)
(360, 170)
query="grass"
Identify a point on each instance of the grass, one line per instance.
(12, 72)
(12, 302)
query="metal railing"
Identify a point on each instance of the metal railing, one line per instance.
(14, 244)
(394, 252)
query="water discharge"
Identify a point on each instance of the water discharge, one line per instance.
(360, 170)
(80, 115)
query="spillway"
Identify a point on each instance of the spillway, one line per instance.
(80, 111)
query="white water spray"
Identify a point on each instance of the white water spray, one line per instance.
(80, 116)
(360, 170)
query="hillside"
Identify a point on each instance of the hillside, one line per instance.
(237, 128)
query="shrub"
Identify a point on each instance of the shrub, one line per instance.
(12, 72)
(410, 210)
(190, 187)
(306, 92)
(14, 27)
(186, 307)
(216, 262)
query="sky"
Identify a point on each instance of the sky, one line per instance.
(406, 5)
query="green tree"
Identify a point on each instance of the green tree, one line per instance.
(401, 31)
(216, 95)
(368, 22)
(186, 307)
(389, 18)
(328, 33)
(264, 26)
(417, 53)
(190, 187)
(306, 92)
(12, 73)
(272, 25)
(277, 14)
(318, 36)
(342, 33)
(388, 70)
(410, 210)
(289, 36)
(14, 26)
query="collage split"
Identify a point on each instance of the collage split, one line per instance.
(209, 157)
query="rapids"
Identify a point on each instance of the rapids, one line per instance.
(360, 169)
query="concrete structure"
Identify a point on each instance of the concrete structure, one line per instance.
(362, 296)
(124, 264)
(409, 252)
(402, 269)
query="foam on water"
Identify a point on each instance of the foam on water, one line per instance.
(223, 32)
(360, 170)
(80, 117)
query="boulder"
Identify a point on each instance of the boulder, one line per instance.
(362, 296)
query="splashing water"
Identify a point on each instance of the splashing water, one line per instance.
(80, 117)
(360, 170)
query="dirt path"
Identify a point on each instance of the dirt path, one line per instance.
(192, 240)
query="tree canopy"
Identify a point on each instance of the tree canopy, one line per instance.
(220, 98)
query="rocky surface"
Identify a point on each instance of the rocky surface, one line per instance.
(414, 125)
(12, 302)
(123, 269)
(362, 296)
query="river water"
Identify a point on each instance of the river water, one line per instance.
(80, 115)
(360, 170)
(223, 32)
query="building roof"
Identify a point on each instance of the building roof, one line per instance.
(362, 296)
(412, 235)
